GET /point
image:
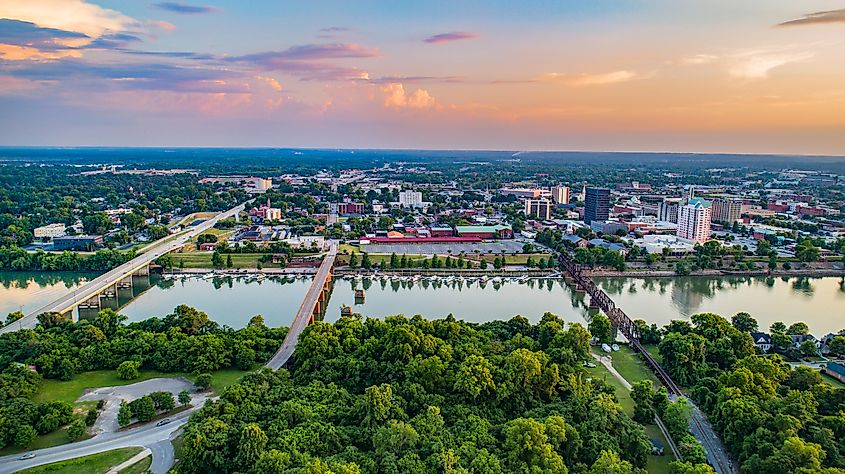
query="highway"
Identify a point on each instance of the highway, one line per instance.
(300, 321)
(95, 286)
(157, 438)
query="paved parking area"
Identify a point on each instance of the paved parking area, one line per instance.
(501, 246)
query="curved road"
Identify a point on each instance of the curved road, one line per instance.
(157, 438)
(95, 286)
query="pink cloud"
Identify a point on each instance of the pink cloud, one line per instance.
(450, 37)
(396, 98)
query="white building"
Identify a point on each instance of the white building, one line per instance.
(49, 231)
(538, 208)
(410, 198)
(560, 194)
(668, 210)
(694, 220)
(655, 243)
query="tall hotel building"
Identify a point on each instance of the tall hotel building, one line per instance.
(694, 220)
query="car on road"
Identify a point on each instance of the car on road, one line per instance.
(27, 456)
(164, 422)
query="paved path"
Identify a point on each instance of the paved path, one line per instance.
(129, 462)
(300, 321)
(96, 285)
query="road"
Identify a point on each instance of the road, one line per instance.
(96, 285)
(157, 438)
(300, 321)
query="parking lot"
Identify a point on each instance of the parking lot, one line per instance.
(500, 246)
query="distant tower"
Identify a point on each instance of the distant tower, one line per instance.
(691, 192)
(268, 202)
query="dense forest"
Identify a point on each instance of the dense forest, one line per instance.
(399, 395)
(773, 418)
(18, 259)
(183, 341)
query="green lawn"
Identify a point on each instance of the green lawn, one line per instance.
(95, 463)
(628, 363)
(203, 260)
(832, 381)
(52, 390)
(139, 467)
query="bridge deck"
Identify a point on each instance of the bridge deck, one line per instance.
(97, 285)
(306, 310)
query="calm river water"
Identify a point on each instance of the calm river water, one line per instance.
(232, 301)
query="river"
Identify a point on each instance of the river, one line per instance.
(820, 302)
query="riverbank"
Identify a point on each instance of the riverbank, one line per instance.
(812, 272)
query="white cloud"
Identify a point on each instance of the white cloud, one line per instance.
(580, 80)
(758, 64)
(700, 59)
(68, 15)
(396, 98)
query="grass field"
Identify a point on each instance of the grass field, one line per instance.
(95, 463)
(203, 260)
(69, 391)
(139, 467)
(628, 363)
(832, 381)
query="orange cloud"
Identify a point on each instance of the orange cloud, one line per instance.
(580, 80)
(12, 52)
(396, 98)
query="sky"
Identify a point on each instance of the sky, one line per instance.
(749, 76)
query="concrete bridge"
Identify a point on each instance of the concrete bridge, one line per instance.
(111, 283)
(312, 306)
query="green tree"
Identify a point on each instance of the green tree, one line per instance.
(128, 370)
(601, 328)
(25, 435)
(75, 430)
(353, 260)
(475, 376)
(837, 345)
(778, 326)
(203, 381)
(144, 408)
(272, 462)
(124, 416)
(250, 445)
(610, 463)
(744, 322)
(798, 329)
(808, 348)
(228, 261)
(216, 260)
(365, 261)
(643, 394)
(184, 397)
(676, 416)
(13, 316)
(528, 448)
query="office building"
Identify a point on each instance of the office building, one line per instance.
(523, 193)
(410, 199)
(668, 210)
(50, 231)
(726, 211)
(538, 208)
(597, 204)
(694, 220)
(560, 194)
(350, 208)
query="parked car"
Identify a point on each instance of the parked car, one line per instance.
(163, 422)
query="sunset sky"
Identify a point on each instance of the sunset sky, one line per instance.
(661, 75)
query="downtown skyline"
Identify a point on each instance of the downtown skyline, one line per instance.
(756, 77)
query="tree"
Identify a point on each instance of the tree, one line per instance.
(528, 449)
(777, 326)
(781, 342)
(475, 376)
(203, 381)
(144, 408)
(206, 239)
(250, 445)
(13, 316)
(25, 435)
(601, 328)
(685, 467)
(643, 394)
(75, 430)
(837, 345)
(184, 397)
(91, 417)
(216, 260)
(229, 261)
(808, 348)
(124, 416)
(128, 370)
(365, 261)
(744, 322)
(610, 463)
(677, 416)
(798, 329)
(353, 260)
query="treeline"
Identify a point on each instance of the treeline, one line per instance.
(772, 418)
(457, 262)
(18, 259)
(418, 396)
(183, 341)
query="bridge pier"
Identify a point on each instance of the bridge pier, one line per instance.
(143, 271)
(593, 304)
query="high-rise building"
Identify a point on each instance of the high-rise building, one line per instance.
(668, 210)
(538, 208)
(596, 204)
(694, 220)
(727, 211)
(560, 194)
(410, 198)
